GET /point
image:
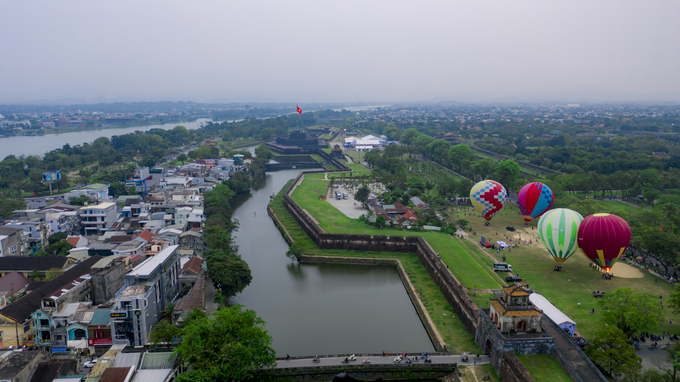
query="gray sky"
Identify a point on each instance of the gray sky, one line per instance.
(303, 51)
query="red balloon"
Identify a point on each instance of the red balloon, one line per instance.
(602, 238)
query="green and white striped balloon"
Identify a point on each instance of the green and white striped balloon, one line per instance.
(558, 229)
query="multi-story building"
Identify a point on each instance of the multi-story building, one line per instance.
(148, 290)
(191, 243)
(64, 221)
(98, 219)
(107, 277)
(12, 242)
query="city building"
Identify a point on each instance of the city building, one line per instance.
(107, 277)
(12, 242)
(147, 291)
(98, 219)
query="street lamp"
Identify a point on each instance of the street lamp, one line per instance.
(451, 338)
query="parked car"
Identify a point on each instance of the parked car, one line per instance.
(513, 279)
(90, 364)
(510, 228)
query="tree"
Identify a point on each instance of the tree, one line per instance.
(612, 352)
(392, 132)
(362, 194)
(631, 311)
(380, 221)
(506, 173)
(7, 206)
(59, 236)
(409, 136)
(79, 200)
(165, 332)
(60, 248)
(484, 168)
(232, 345)
(182, 158)
(230, 276)
(263, 151)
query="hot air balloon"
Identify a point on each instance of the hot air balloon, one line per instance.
(603, 238)
(534, 199)
(558, 229)
(488, 197)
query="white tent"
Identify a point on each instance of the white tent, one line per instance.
(551, 311)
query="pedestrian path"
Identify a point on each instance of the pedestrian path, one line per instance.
(377, 360)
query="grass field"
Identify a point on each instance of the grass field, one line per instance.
(545, 368)
(358, 169)
(567, 288)
(356, 155)
(430, 295)
(330, 167)
(318, 158)
(469, 269)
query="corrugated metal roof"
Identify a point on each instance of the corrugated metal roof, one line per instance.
(161, 360)
(157, 375)
(101, 317)
(127, 359)
(549, 309)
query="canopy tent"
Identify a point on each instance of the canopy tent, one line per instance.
(551, 311)
(502, 244)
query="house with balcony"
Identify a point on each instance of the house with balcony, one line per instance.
(63, 221)
(51, 319)
(98, 219)
(99, 331)
(148, 290)
(17, 321)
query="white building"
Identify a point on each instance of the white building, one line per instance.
(99, 218)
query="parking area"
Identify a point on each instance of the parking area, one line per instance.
(350, 207)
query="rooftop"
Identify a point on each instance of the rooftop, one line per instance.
(101, 317)
(101, 206)
(160, 360)
(514, 312)
(149, 265)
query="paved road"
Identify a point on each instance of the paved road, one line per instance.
(209, 293)
(338, 361)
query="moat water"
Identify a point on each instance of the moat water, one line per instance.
(320, 308)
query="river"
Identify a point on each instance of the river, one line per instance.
(39, 145)
(320, 308)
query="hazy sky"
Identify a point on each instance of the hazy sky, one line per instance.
(339, 50)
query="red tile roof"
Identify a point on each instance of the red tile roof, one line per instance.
(146, 235)
(193, 266)
(398, 205)
(73, 240)
(410, 216)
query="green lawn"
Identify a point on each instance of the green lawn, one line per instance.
(358, 169)
(469, 269)
(567, 288)
(356, 155)
(615, 205)
(330, 167)
(545, 368)
(430, 295)
(318, 158)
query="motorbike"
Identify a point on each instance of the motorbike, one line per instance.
(353, 358)
(464, 359)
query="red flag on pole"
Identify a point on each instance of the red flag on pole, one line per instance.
(299, 110)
